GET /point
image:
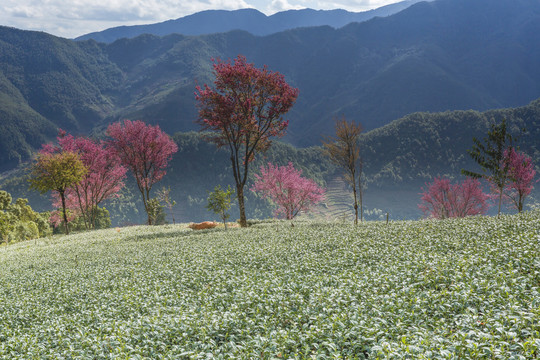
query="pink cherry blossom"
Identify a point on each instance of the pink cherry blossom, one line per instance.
(285, 186)
(445, 200)
(145, 150)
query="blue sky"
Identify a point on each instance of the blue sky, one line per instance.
(71, 18)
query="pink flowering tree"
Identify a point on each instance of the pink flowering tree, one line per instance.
(285, 186)
(521, 175)
(103, 180)
(244, 110)
(146, 151)
(443, 199)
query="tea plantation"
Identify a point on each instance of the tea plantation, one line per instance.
(456, 289)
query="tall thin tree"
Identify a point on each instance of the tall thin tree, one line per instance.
(344, 151)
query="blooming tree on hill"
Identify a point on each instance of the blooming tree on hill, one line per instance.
(103, 180)
(145, 150)
(244, 109)
(521, 175)
(445, 200)
(285, 186)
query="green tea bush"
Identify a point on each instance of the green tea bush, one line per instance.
(454, 289)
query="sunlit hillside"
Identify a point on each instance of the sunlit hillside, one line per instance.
(455, 289)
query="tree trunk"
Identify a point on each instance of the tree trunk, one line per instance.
(500, 202)
(93, 217)
(241, 206)
(63, 197)
(146, 198)
(355, 206)
(224, 218)
(149, 217)
(361, 197)
(239, 186)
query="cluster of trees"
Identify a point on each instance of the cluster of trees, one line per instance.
(243, 110)
(241, 113)
(509, 173)
(82, 173)
(19, 222)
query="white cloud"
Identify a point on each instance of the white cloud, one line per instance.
(350, 5)
(76, 17)
(282, 5)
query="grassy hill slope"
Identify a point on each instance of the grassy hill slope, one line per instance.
(459, 288)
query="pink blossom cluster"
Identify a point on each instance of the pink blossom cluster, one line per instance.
(103, 180)
(521, 176)
(144, 149)
(443, 199)
(285, 186)
(246, 105)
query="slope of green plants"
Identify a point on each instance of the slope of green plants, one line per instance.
(456, 289)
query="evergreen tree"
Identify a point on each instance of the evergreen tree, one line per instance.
(489, 154)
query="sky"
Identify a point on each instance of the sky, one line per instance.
(72, 18)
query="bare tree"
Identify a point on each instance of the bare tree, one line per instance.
(344, 151)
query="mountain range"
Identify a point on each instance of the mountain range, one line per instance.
(250, 20)
(432, 56)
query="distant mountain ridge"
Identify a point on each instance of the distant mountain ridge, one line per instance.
(250, 20)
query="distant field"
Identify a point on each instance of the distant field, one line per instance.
(458, 289)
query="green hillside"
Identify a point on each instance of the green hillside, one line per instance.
(22, 128)
(423, 145)
(463, 289)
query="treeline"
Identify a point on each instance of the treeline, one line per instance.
(19, 222)
(398, 160)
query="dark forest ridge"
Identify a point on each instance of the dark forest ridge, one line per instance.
(250, 20)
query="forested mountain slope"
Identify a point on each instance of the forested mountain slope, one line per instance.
(436, 56)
